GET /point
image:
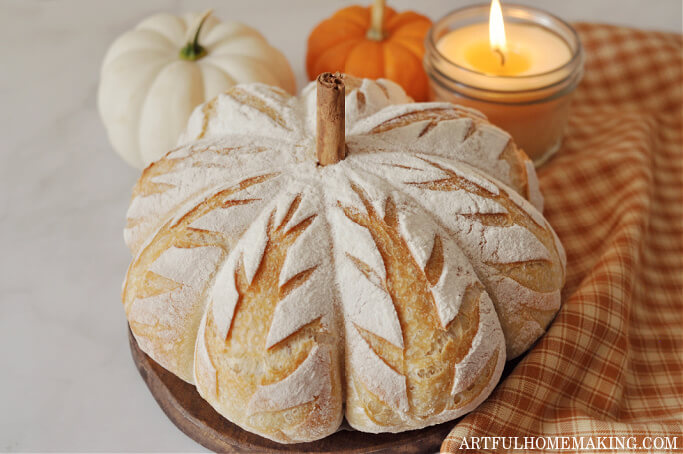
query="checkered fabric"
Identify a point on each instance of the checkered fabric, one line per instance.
(611, 364)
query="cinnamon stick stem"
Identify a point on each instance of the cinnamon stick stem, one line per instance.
(330, 137)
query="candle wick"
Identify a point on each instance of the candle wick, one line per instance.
(502, 56)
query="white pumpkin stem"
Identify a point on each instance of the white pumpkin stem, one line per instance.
(193, 50)
(330, 127)
(376, 30)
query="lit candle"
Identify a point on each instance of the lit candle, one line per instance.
(518, 68)
(484, 48)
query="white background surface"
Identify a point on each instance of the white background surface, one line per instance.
(67, 381)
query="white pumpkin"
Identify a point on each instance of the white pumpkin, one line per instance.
(153, 77)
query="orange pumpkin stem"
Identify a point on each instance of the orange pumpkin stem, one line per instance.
(330, 127)
(376, 30)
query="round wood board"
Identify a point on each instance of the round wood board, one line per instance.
(198, 420)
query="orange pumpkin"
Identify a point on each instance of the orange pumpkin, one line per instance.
(374, 42)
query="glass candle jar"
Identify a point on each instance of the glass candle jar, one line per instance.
(533, 107)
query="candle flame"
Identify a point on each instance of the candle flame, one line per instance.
(497, 29)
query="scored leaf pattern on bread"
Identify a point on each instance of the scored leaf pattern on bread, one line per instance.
(453, 132)
(525, 275)
(437, 328)
(284, 290)
(184, 175)
(274, 353)
(154, 281)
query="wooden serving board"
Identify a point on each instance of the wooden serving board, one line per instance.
(193, 415)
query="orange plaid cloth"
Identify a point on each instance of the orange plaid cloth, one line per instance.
(611, 364)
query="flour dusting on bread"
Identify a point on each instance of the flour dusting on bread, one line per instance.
(387, 288)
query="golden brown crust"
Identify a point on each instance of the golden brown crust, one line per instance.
(513, 156)
(244, 364)
(542, 276)
(430, 352)
(170, 341)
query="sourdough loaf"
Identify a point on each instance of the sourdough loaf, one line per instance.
(388, 287)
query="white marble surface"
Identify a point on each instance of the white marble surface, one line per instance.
(67, 380)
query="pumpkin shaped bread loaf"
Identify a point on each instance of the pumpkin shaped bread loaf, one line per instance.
(388, 287)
